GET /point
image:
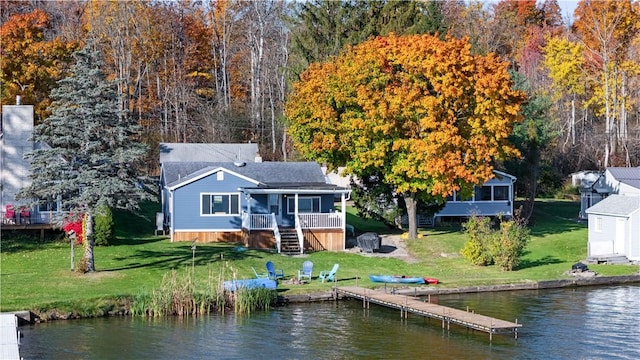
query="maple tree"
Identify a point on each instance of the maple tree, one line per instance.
(31, 63)
(425, 113)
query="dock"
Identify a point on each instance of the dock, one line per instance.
(9, 337)
(409, 304)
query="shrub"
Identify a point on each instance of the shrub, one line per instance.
(104, 226)
(477, 248)
(487, 246)
(509, 244)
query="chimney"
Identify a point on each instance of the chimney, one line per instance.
(18, 98)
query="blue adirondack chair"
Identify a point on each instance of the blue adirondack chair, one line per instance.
(305, 273)
(273, 273)
(259, 276)
(329, 275)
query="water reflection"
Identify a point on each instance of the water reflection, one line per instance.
(585, 323)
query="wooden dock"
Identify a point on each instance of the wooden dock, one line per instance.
(9, 337)
(408, 304)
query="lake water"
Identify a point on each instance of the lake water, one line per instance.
(581, 323)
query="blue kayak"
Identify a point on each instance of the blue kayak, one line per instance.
(398, 279)
(233, 285)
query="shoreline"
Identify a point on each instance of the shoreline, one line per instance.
(425, 291)
(28, 317)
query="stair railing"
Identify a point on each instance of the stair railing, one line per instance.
(276, 231)
(300, 234)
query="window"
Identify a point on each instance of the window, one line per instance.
(500, 193)
(48, 206)
(483, 193)
(220, 204)
(598, 224)
(306, 204)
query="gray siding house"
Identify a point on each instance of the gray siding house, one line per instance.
(614, 180)
(287, 206)
(17, 128)
(493, 198)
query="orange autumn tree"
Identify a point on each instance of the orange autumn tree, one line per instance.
(425, 113)
(30, 62)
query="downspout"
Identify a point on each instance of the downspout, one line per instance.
(298, 225)
(171, 217)
(343, 215)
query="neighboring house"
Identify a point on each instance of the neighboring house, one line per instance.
(614, 180)
(493, 198)
(612, 206)
(283, 205)
(614, 227)
(17, 128)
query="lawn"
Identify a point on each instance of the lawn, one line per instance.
(36, 275)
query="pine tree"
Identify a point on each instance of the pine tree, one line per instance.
(89, 152)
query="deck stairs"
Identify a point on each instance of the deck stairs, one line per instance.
(615, 259)
(289, 242)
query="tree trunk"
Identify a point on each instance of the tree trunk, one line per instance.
(88, 243)
(410, 201)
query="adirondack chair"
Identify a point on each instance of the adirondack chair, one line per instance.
(10, 214)
(273, 273)
(259, 276)
(307, 268)
(329, 275)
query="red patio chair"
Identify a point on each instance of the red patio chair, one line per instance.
(10, 214)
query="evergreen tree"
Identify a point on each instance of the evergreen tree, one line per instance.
(88, 152)
(323, 28)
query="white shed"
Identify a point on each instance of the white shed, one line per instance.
(614, 227)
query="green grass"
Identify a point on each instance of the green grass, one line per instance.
(36, 275)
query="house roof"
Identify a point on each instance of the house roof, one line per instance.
(264, 174)
(208, 152)
(626, 175)
(616, 205)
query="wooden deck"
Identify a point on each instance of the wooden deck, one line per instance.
(408, 304)
(9, 337)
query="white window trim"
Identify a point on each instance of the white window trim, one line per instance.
(221, 194)
(597, 227)
(293, 211)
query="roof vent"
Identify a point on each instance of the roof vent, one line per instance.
(239, 163)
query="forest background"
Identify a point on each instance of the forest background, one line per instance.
(221, 71)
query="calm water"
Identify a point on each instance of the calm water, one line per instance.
(585, 323)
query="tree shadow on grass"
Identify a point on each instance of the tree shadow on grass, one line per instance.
(181, 256)
(547, 260)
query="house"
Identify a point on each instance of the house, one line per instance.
(614, 227)
(17, 128)
(287, 206)
(614, 180)
(494, 198)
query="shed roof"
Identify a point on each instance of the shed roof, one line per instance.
(208, 152)
(626, 175)
(616, 205)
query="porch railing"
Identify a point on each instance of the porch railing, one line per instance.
(307, 221)
(33, 218)
(259, 221)
(320, 221)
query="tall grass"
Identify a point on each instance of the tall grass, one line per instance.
(182, 295)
